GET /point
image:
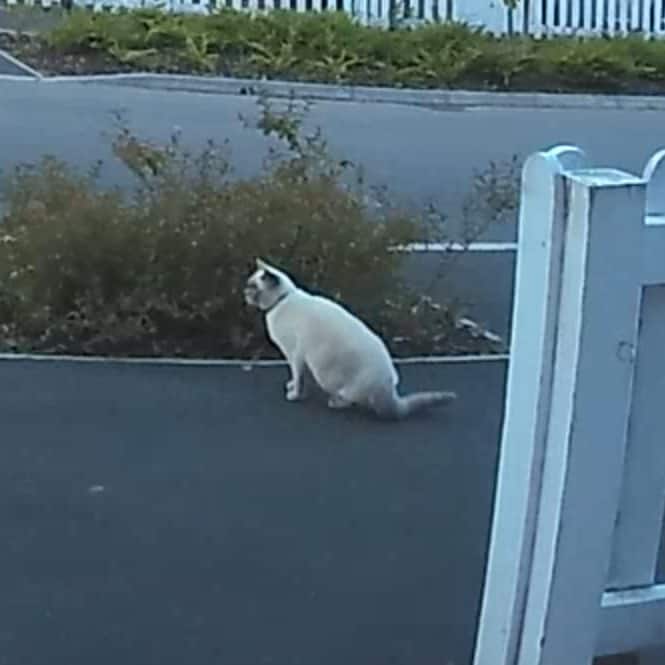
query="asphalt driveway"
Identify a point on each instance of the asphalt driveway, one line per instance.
(172, 515)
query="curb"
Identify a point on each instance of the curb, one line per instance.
(229, 362)
(434, 99)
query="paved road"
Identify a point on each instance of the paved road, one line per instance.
(170, 515)
(164, 515)
(422, 155)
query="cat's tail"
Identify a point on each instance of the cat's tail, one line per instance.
(398, 407)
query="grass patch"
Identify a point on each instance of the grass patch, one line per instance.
(160, 271)
(331, 47)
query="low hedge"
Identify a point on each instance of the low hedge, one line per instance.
(160, 271)
(330, 47)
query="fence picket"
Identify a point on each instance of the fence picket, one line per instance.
(658, 18)
(600, 16)
(635, 8)
(578, 15)
(586, 20)
(539, 18)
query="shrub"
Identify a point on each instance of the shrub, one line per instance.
(331, 47)
(161, 271)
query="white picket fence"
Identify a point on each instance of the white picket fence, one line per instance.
(580, 499)
(536, 17)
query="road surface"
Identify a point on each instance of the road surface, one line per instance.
(161, 515)
(422, 155)
(165, 515)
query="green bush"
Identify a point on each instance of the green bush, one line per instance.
(161, 272)
(331, 47)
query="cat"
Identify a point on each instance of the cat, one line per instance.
(348, 361)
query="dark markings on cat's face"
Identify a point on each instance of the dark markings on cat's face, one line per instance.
(260, 288)
(270, 279)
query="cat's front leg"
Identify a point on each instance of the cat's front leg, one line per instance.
(295, 391)
(295, 385)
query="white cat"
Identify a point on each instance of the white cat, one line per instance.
(348, 361)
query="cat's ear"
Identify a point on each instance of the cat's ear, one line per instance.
(270, 275)
(271, 278)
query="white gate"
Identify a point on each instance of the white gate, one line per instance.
(581, 488)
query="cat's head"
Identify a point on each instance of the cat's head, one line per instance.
(266, 286)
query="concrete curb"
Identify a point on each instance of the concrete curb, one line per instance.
(434, 99)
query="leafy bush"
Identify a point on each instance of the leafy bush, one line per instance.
(331, 47)
(161, 272)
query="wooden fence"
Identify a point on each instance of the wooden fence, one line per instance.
(536, 17)
(580, 499)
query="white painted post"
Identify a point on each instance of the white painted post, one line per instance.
(622, 16)
(640, 518)
(536, 18)
(635, 18)
(612, 17)
(569, 457)
(601, 15)
(551, 26)
(588, 418)
(537, 287)
(576, 25)
(587, 20)
(658, 22)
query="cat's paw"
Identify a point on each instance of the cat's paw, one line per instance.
(337, 402)
(292, 392)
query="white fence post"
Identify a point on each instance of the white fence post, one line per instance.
(538, 276)
(570, 462)
(589, 417)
